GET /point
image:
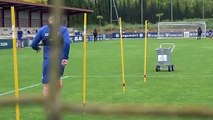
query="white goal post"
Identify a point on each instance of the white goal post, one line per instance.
(180, 29)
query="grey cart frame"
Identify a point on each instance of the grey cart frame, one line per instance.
(164, 57)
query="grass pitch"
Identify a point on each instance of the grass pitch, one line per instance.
(190, 84)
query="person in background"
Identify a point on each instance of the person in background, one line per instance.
(28, 32)
(199, 33)
(95, 34)
(19, 37)
(44, 35)
(210, 33)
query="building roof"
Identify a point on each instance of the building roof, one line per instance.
(35, 7)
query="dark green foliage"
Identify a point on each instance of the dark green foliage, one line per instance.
(130, 10)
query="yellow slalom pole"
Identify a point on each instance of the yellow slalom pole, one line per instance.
(122, 56)
(15, 62)
(85, 59)
(145, 51)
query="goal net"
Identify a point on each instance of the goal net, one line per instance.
(180, 29)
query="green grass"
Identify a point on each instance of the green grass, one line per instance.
(190, 84)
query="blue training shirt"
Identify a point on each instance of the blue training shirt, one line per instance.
(19, 35)
(43, 35)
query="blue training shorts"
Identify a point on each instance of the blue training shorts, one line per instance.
(45, 71)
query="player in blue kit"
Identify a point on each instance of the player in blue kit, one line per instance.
(43, 36)
(210, 33)
(19, 37)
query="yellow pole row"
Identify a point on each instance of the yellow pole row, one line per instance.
(145, 51)
(122, 56)
(15, 62)
(85, 59)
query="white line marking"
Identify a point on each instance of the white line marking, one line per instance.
(24, 88)
(198, 76)
(65, 77)
(28, 87)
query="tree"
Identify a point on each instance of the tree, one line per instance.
(186, 11)
(153, 11)
(197, 10)
(99, 17)
(129, 10)
(178, 13)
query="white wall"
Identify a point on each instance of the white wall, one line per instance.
(7, 30)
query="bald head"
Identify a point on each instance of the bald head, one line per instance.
(52, 17)
(50, 20)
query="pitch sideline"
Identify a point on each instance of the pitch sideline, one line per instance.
(35, 85)
(28, 87)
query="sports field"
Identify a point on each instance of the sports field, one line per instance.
(190, 83)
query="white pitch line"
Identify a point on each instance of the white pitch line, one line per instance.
(197, 76)
(28, 87)
(24, 88)
(143, 76)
